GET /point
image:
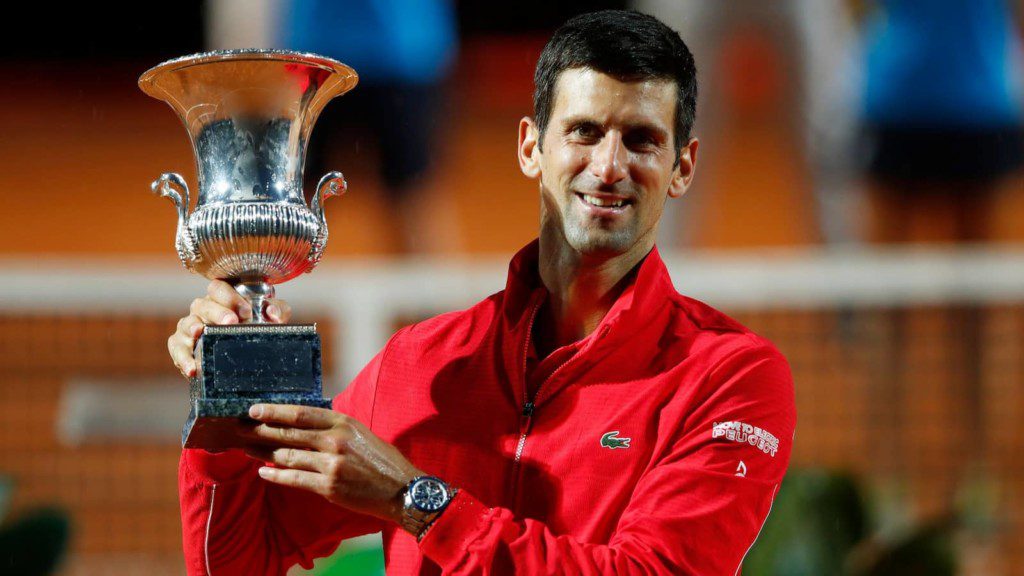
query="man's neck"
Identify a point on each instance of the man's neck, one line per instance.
(581, 289)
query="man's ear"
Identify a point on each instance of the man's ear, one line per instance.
(683, 174)
(529, 148)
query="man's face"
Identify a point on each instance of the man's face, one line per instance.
(607, 161)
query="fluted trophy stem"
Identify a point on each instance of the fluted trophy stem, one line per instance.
(257, 293)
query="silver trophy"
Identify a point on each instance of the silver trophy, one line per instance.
(249, 114)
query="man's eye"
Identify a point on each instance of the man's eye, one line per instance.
(586, 131)
(641, 141)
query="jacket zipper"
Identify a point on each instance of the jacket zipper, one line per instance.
(526, 416)
(530, 407)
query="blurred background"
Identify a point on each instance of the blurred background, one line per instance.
(859, 200)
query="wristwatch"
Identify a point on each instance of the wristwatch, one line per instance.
(424, 499)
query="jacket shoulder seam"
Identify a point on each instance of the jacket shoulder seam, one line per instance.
(685, 304)
(759, 343)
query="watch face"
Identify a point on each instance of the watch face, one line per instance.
(429, 494)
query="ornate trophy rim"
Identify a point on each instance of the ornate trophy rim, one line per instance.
(148, 78)
(248, 113)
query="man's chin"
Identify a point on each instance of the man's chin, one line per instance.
(600, 243)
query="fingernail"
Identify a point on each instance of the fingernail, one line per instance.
(228, 319)
(273, 312)
(265, 472)
(255, 411)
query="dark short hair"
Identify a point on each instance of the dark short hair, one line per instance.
(626, 44)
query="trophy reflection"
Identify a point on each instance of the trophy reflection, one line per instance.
(249, 114)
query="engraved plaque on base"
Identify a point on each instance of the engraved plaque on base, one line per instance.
(240, 365)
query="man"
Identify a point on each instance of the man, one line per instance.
(587, 419)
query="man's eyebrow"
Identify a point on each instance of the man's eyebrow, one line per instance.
(580, 119)
(643, 127)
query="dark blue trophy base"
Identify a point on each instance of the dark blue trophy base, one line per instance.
(245, 364)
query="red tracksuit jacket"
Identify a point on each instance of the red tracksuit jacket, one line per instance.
(654, 446)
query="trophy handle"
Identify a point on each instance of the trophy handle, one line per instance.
(332, 184)
(168, 186)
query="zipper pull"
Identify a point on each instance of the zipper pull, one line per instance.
(528, 409)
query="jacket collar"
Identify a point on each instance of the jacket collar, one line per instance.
(640, 302)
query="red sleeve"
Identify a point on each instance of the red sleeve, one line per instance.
(233, 522)
(690, 514)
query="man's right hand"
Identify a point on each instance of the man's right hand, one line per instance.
(221, 305)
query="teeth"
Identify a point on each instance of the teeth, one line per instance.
(594, 201)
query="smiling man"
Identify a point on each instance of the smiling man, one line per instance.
(588, 419)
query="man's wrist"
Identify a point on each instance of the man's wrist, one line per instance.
(424, 499)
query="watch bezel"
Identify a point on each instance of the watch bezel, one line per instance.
(422, 507)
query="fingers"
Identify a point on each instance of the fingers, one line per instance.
(211, 312)
(273, 437)
(222, 305)
(221, 297)
(297, 416)
(190, 327)
(310, 481)
(181, 344)
(181, 354)
(278, 310)
(293, 458)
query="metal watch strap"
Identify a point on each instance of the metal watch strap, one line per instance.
(433, 517)
(416, 521)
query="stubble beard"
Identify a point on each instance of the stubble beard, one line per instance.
(590, 236)
(592, 239)
(584, 235)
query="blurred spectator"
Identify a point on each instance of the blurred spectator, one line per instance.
(784, 67)
(942, 101)
(942, 106)
(402, 50)
(832, 80)
(699, 24)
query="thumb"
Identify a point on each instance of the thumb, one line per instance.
(277, 310)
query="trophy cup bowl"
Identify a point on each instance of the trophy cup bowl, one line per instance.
(248, 114)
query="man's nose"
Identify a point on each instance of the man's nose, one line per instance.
(608, 161)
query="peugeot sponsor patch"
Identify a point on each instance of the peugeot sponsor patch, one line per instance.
(746, 434)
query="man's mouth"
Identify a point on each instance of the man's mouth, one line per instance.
(604, 202)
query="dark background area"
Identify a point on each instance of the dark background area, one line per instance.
(103, 33)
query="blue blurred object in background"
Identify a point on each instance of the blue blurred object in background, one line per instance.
(386, 41)
(943, 62)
